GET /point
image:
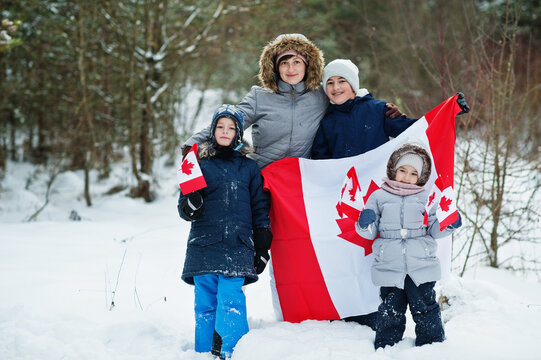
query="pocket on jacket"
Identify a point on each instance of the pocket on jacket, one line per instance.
(422, 248)
(204, 240)
(388, 251)
(430, 247)
(247, 240)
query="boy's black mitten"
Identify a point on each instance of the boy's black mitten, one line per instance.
(262, 244)
(191, 206)
(463, 104)
(261, 259)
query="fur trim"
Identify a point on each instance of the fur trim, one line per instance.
(205, 150)
(414, 149)
(314, 57)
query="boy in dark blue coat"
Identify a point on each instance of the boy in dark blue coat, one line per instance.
(355, 122)
(230, 234)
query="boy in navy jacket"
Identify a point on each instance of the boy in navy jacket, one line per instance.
(230, 234)
(355, 123)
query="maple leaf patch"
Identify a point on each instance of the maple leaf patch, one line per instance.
(187, 167)
(444, 203)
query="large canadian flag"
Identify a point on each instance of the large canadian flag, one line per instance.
(320, 265)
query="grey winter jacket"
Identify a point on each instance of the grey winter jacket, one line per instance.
(284, 123)
(405, 246)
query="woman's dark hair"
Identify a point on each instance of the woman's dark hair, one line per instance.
(285, 57)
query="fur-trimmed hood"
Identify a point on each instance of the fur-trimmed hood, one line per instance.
(205, 150)
(414, 149)
(314, 56)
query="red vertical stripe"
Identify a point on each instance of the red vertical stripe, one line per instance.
(441, 138)
(299, 281)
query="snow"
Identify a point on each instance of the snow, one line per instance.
(59, 279)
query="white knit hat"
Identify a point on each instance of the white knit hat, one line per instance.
(411, 159)
(344, 68)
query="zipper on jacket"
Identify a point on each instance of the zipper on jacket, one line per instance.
(288, 153)
(403, 234)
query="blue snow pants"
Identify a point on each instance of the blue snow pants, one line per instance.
(220, 313)
(391, 319)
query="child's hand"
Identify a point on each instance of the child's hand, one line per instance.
(393, 111)
(463, 104)
(366, 217)
(456, 224)
(191, 206)
(185, 151)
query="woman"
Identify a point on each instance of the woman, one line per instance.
(286, 110)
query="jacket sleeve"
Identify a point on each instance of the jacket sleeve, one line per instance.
(372, 230)
(248, 106)
(320, 146)
(198, 137)
(259, 199)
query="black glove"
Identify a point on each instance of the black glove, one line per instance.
(262, 243)
(191, 206)
(462, 103)
(457, 223)
(366, 217)
(393, 111)
(261, 259)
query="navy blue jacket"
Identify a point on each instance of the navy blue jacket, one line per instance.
(234, 204)
(355, 127)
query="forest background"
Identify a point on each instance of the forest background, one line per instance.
(85, 84)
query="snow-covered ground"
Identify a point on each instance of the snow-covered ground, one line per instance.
(108, 287)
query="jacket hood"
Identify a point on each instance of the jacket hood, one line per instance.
(314, 56)
(232, 112)
(206, 150)
(413, 149)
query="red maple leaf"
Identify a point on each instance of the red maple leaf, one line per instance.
(187, 167)
(347, 224)
(431, 198)
(444, 203)
(347, 227)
